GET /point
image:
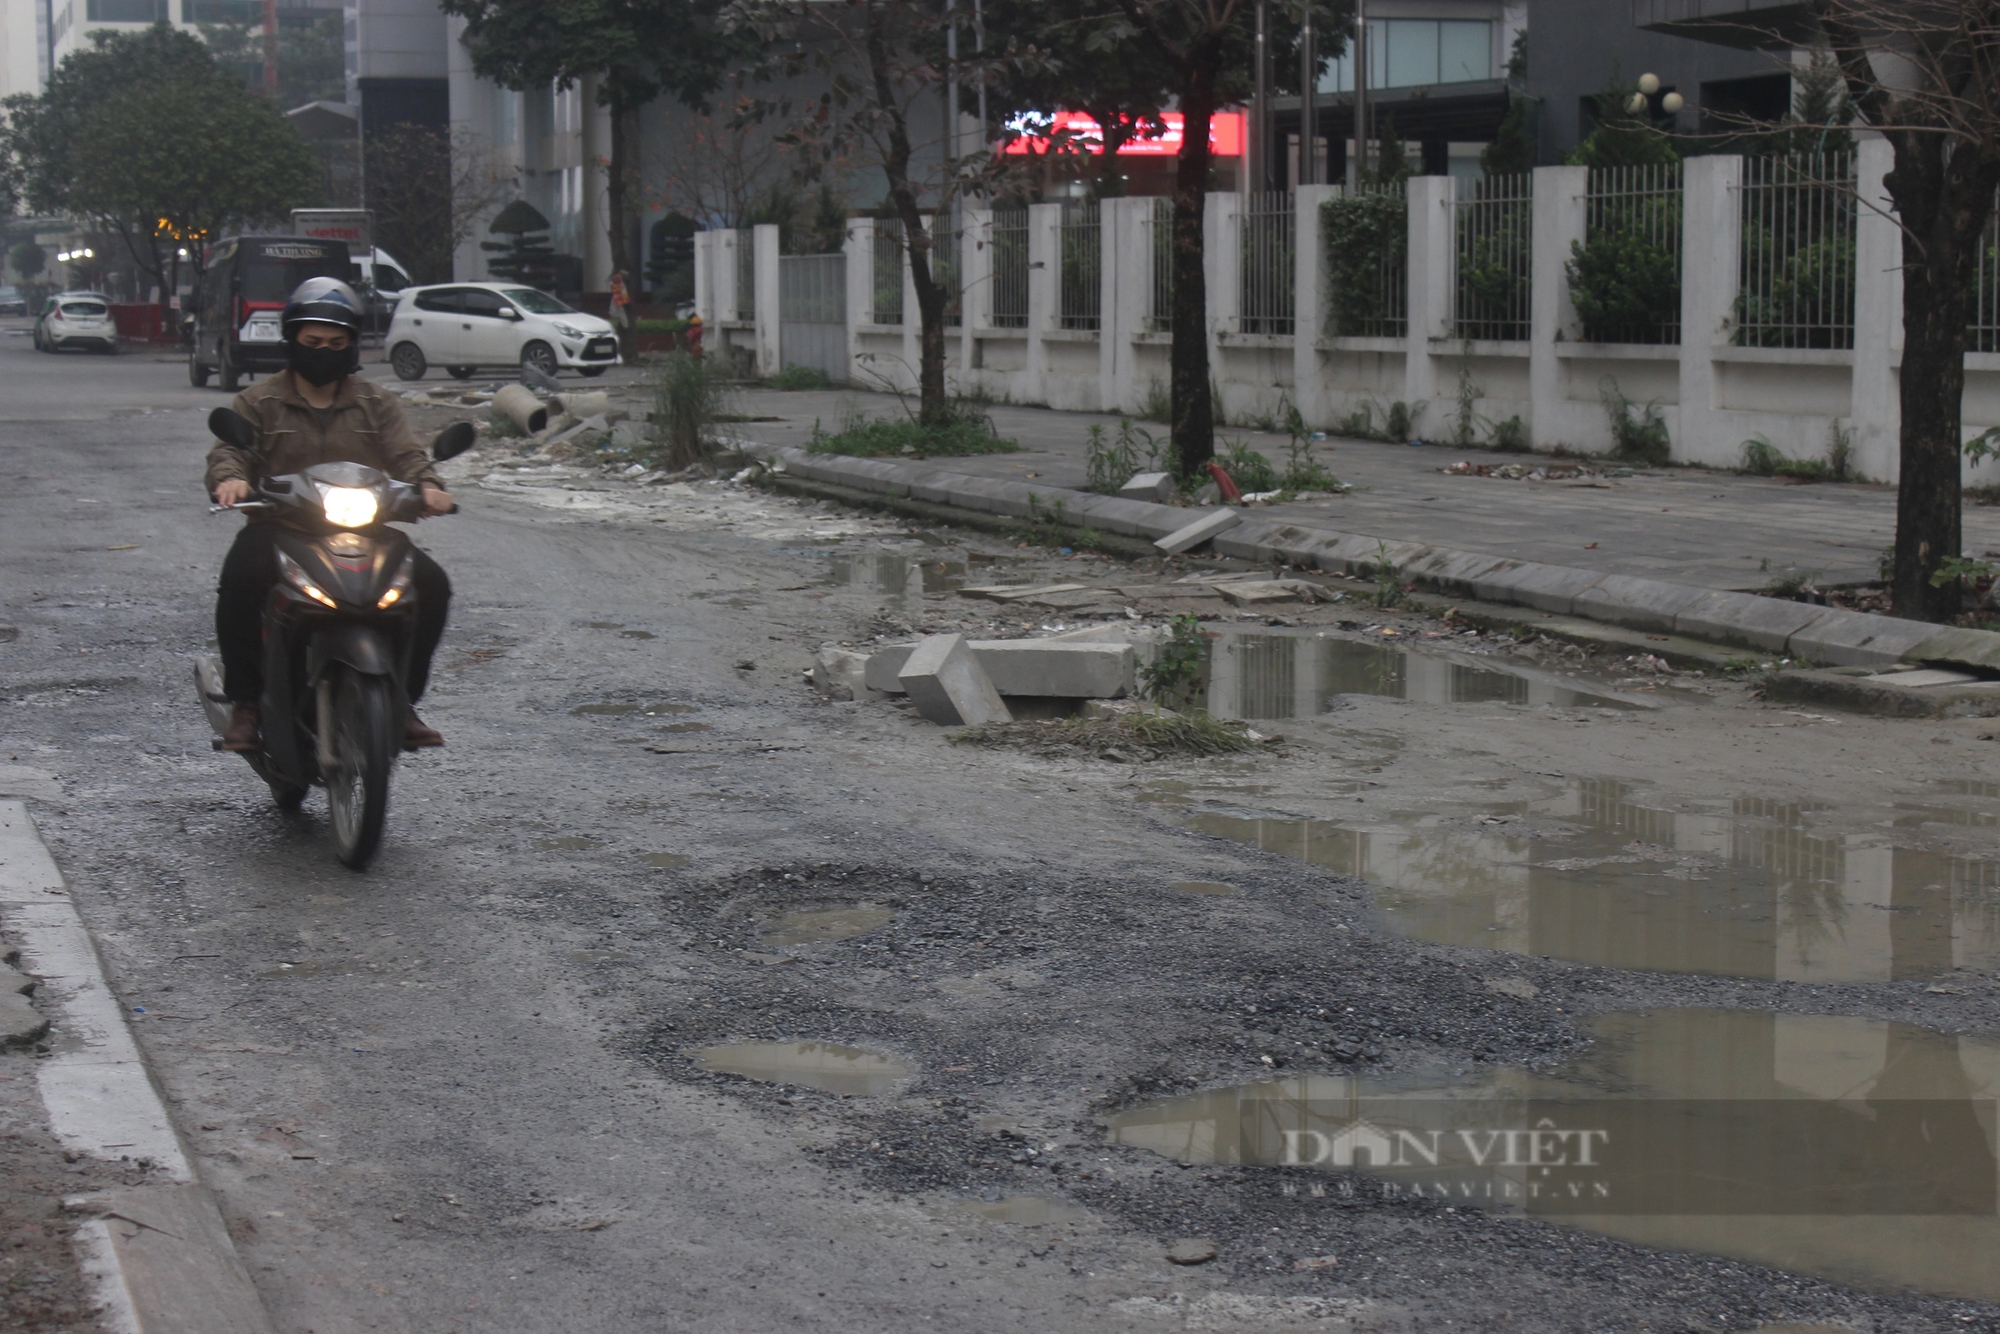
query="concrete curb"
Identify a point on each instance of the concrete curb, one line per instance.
(158, 1255)
(1826, 636)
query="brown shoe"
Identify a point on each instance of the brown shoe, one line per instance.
(417, 734)
(242, 732)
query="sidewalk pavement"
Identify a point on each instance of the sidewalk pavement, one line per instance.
(1685, 525)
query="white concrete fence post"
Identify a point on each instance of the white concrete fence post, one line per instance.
(1558, 220)
(1877, 411)
(1128, 275)
(1309, 390)
(1711, 257)
(1044, 289)
(860, 250)
(1432, 273)
(1222, 269)
(764, 279)
(704, 277)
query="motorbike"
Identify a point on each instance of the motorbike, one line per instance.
(338, 629)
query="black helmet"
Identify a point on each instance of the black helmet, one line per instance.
(323, 301)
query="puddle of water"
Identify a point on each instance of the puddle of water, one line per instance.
(1300, 675)
(817, 926)
(570, 843)
(627, 710)
(1859, 1150)
(1024, 1210)
(636, 634)
(1745, 890)
(1201, 887)
(666, 860)
(605, 625)
(686, 727)
(882, 572)
(820, 1065)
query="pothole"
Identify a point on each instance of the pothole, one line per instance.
(616, 710)
(821, 925)
(826, 1066)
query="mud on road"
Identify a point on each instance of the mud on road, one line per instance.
(485, 1077)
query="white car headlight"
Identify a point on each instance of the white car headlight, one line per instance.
(349, 506)
(570, 331)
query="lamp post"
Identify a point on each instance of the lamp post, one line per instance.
(1308, 100)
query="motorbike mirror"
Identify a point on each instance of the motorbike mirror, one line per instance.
(453, 440)
(232, 428)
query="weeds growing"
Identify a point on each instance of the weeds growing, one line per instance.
(689, 395)
(1638, 431)
(1175, 676)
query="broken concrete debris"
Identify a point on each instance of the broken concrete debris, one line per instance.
(840, 673)
(1037, 667)
(948, 686)
(520, 406)
(1194, 534)
(1157, 487)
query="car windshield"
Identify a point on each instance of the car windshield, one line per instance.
(82, 308)
(536, 303)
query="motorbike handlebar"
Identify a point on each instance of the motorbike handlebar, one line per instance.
(244, 505)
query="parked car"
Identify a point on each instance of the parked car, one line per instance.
(235, 322)
(12, 302)
(76, 319)
(464, 326)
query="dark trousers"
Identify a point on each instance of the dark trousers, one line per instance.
(248, 572)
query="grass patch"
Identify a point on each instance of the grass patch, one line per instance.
(689, 396)
(867, 437)
(800, 377)
(1638, 431)
(1121, 737)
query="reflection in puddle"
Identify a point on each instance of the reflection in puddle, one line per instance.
(1857, 1149)
(817, 926)
(636, 634)
(628, 710)
(1300, 675)
(885, 573)
(1024, 1210)
(1201, 887)
(819, 1065)
(1743, 890)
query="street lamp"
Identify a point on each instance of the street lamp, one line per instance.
(1649, 87)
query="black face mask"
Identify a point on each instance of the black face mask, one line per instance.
(321, 365)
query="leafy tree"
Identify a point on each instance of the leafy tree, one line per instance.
(1925, 76)
(1513, 148)
(28, 259)
(526, 256)
(634, 50)
(1622, 137)
(109, 141)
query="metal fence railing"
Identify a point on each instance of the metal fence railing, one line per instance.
(1984, 336)
(945, 265)
(1010, 268)
(746, 274)
(1626, 281)
(886, 278)
(1268, 270)
(1797, 285)
(1082, 250)
(1494, 235)
(1160, 250)
(1367, 270)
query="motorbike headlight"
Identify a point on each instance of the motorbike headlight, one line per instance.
(349, 506)
(296, 576)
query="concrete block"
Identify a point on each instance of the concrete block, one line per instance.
(1264, 592)
(933, 486)
(840, 673)
(1193, 534)
(1746, 619)
(973, 493)
(1066, 669)
(1157, 487)
(1451, 572)
(883, 671)
(1643, 604)
(1255, 539)
(948, 686)
(1551, 588)
(1024, 500)
(1959, 647)
(1857, 639)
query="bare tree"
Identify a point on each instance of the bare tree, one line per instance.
(1926, 74)
(711, 166)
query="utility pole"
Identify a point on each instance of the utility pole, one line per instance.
(1257, 152)
(1357, 160)
(1308, 100)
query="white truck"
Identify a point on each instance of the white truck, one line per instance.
(377, 275)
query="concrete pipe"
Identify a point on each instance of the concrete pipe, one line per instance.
(520, 406)
(594, 403)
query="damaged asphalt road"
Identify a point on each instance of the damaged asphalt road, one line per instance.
(473, 1088)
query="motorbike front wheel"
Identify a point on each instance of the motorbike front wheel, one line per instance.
(363, 749)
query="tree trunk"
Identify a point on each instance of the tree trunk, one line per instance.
(1193, 428)
(1944, 208)
(933, 408)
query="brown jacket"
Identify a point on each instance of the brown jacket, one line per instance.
(365, 425)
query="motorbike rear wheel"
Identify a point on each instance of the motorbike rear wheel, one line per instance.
(363, 747)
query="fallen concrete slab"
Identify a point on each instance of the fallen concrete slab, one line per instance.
(1101, 668)
(1192, 535)
(948, 686)
(1157, 487)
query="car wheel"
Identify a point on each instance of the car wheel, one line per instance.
(591, 372)
(227, 378)
(197, 373)
(408, 359)
(460, 372)
(541, 356)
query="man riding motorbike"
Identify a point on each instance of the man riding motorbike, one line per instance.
(317, 410)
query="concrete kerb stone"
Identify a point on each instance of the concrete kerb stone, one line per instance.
(1643, 604)
(1552, 588)
(1452, 573)
(1134, 518)
(1156, 487)
(1856, 639)
(1199, 530)
(949, 687)
(1746, 619)
(976, 493)
(1959, 647)
(1254, 539)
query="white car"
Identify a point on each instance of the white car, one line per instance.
(464, 326)
(77, 319)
